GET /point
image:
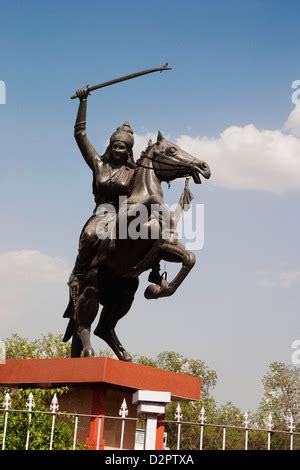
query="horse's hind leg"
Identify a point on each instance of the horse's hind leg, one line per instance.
(87, 308)
(174, 253)
(112, 312)
(105, 330)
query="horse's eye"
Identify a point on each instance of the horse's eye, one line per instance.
(171, 150)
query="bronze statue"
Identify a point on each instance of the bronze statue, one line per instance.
(108, 266)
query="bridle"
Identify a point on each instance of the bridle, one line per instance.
(176, 167)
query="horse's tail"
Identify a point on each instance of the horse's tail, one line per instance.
(69, 330)
(69, 313)
(72, 329)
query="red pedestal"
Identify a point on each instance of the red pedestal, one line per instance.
(97, 386)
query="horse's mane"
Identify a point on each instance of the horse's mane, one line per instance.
(145, 153)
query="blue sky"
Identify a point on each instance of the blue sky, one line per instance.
(233, 65)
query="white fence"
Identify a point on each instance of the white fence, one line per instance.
(268, 430)
(180, 427)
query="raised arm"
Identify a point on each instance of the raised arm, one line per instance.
(88, 152)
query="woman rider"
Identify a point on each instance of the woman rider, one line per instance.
(113, 175)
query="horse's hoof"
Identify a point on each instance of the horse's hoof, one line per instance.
(88, 352)
(166, 292)
(152, 291)
(125, 356)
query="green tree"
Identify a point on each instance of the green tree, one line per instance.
(48, 346)
(281, 399)
(40, 425)
(281, 393)
(227, 414)
(175, 362)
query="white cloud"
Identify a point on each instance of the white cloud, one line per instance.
(26, 266)
(248, 158)
(141, 142)
(283, 280)
(33, 292)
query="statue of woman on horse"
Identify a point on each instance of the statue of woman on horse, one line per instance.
(107, 268)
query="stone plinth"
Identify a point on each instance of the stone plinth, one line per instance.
(98, 386)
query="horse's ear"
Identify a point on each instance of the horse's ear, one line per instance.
(149, 142)
(159, 137)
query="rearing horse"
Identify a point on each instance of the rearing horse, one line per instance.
(112, 282)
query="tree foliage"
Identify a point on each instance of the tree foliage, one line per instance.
(48, 346)
(281, 399)
(175, 362)
(40, 425)
(281, 394)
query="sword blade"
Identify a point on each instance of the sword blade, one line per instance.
(126, 77)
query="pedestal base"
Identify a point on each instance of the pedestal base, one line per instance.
(97, 386)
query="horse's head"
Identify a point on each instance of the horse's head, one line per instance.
(171, 162)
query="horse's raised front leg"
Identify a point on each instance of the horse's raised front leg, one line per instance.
(174, 253)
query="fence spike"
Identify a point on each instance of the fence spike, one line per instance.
(269, 422)
(54, 406)
(30, 404)
(7, 401)
(291, 427)
(246, 420)
(178, 414)
(123, 412)
(202, 416)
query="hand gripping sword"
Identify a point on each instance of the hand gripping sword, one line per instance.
(125, 77)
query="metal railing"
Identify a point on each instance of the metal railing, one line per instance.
(176, 437)
(246, 428)
(53, 414)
